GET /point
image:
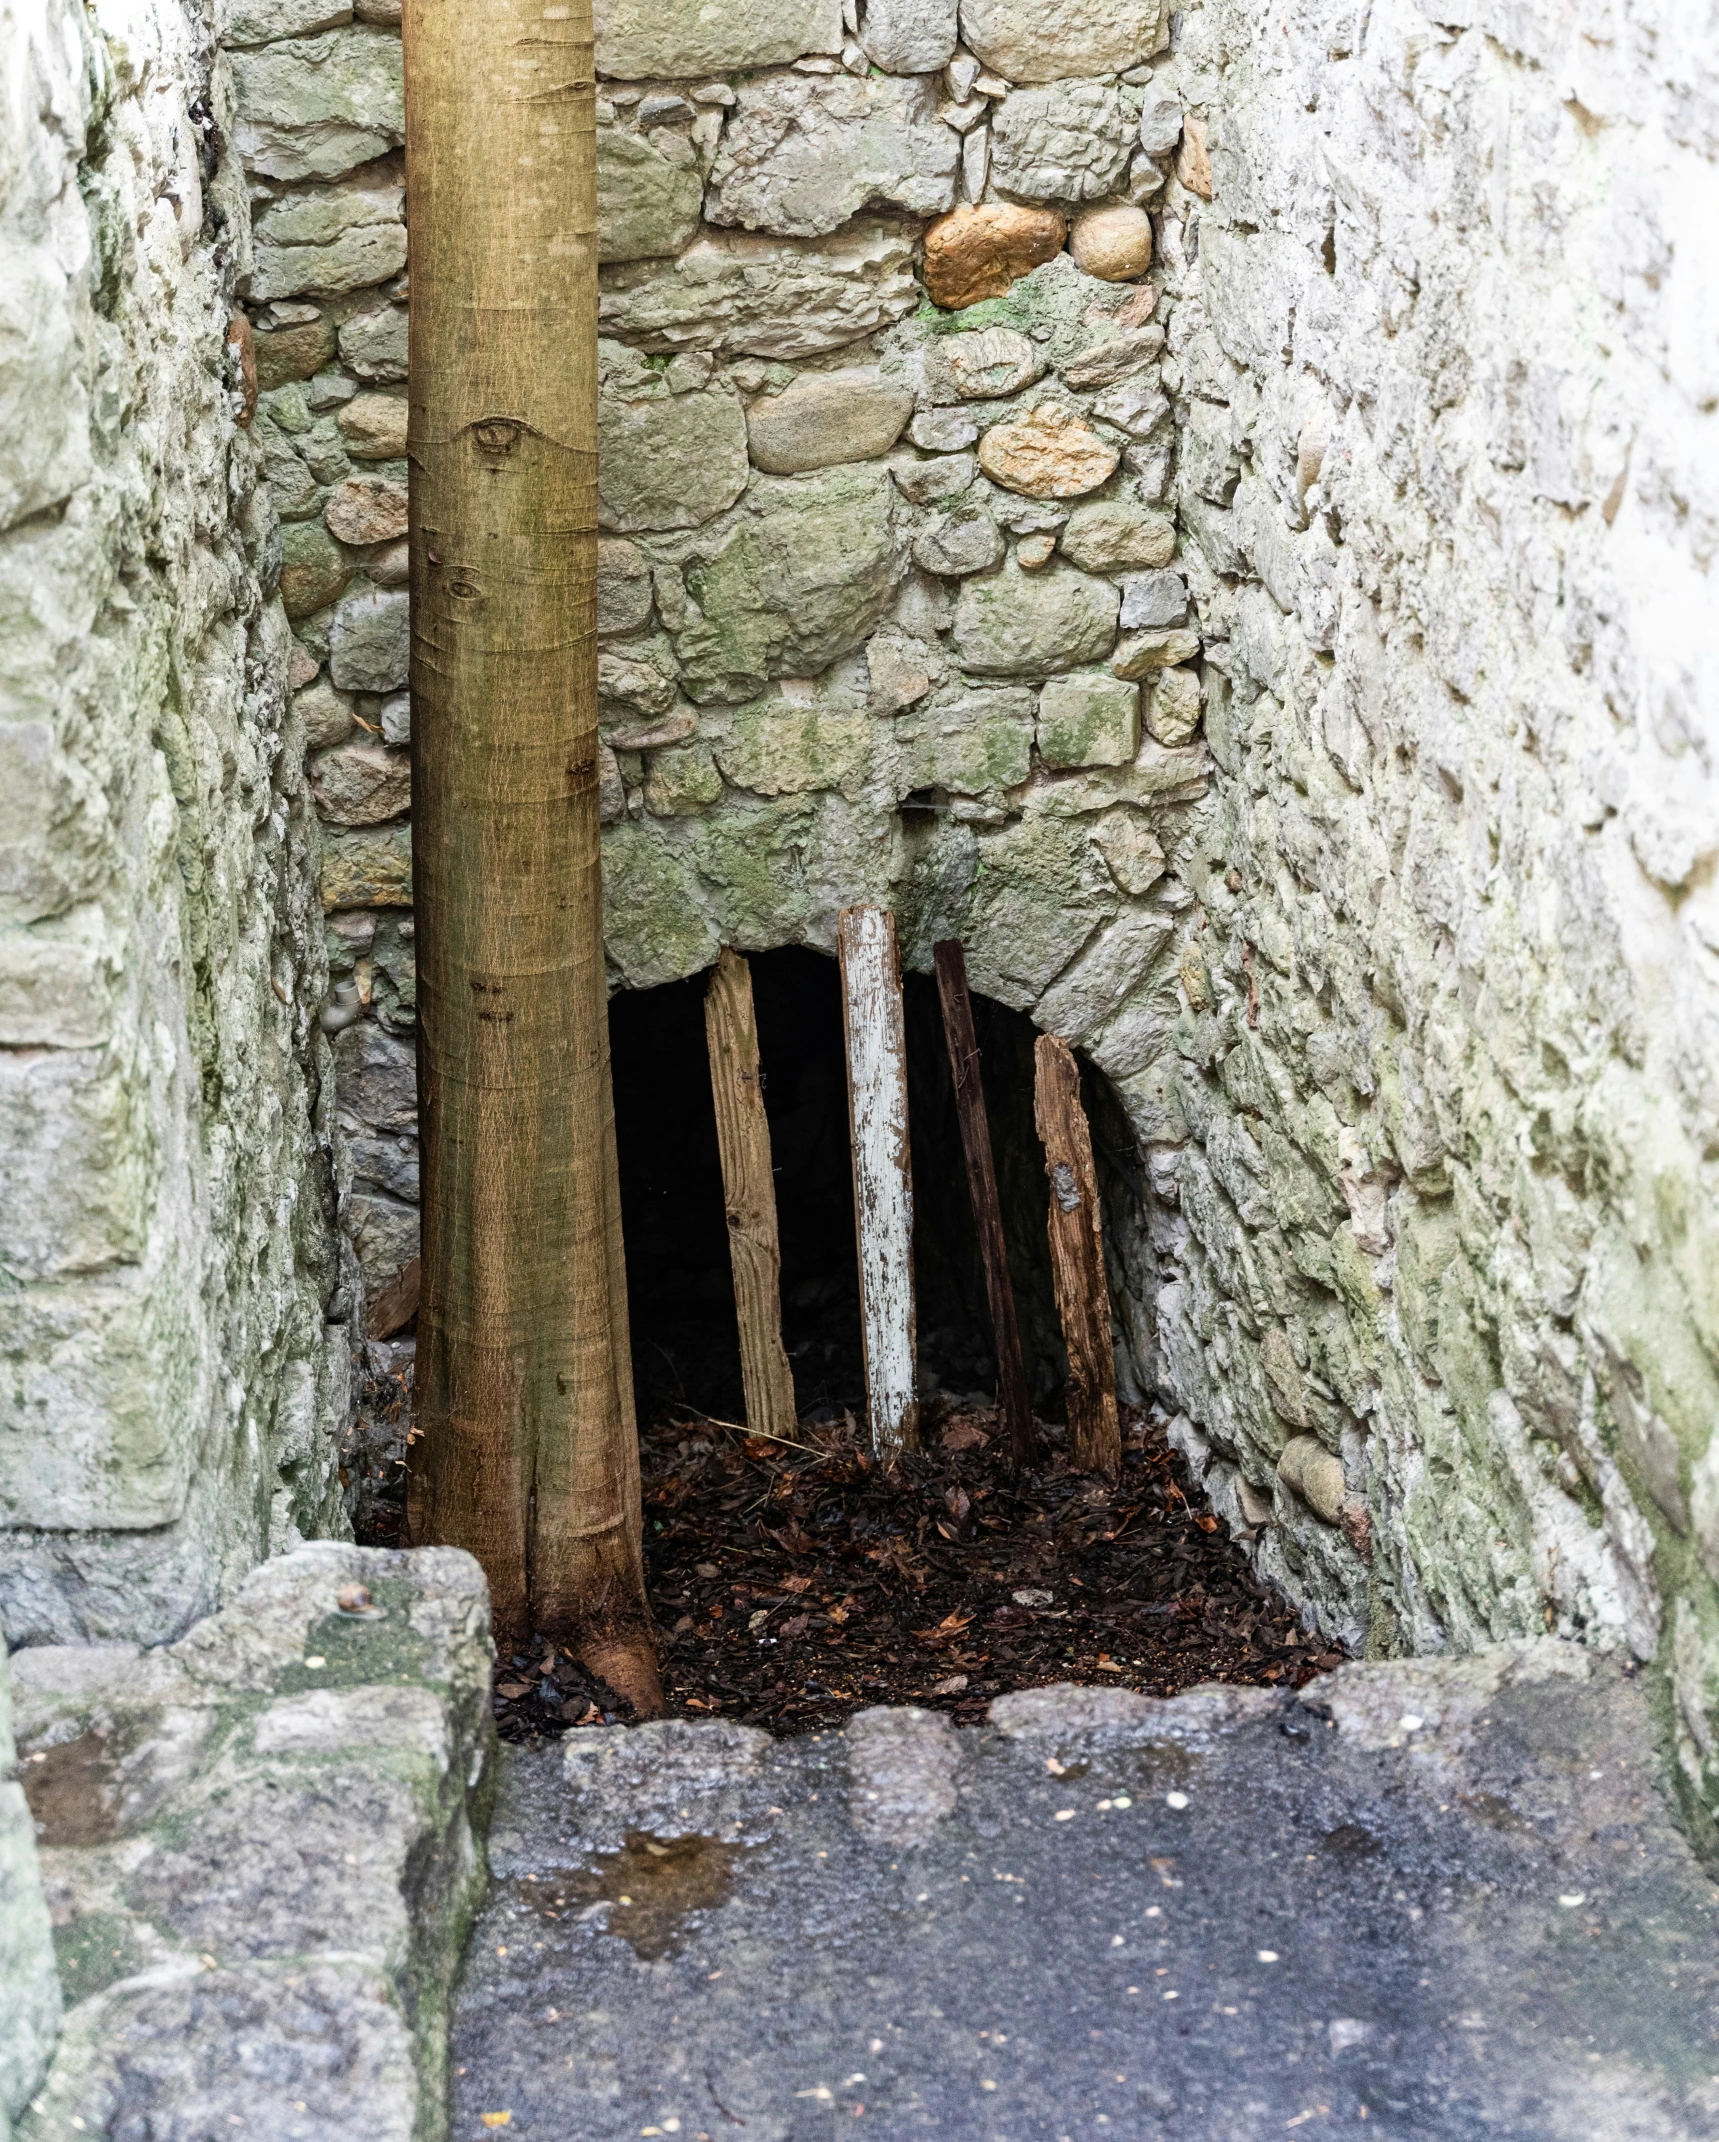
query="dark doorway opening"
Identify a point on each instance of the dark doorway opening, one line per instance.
(686, 1350)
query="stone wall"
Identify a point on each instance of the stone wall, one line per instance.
(1280, 667)
(167, 1379)
(1445, 1316)
(867, 559)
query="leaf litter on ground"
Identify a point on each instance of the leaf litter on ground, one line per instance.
(795, 1583)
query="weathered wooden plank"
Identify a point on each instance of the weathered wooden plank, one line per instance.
(749, 1191)
(951, 963)
(1077, 1257)
(397, 1304)
(883, 1177)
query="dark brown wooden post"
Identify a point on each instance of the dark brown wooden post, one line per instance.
(957, 1004)
(1077, 1257)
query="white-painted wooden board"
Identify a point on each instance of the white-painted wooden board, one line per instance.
(883, 1175)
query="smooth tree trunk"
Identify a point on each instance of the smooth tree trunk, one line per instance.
(875, 1032)
(957, 1003)
(1077, 1257)
(525, 1450)
(749, 1195)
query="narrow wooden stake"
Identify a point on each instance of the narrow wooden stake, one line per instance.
(883, 1176)
(1077, 1257)
(749, 1191)
(963, 1043)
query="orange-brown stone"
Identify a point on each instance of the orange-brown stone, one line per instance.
(1047, 452)
(367, 509)
(979, 253)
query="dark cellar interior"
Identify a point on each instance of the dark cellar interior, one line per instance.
(686, 1354)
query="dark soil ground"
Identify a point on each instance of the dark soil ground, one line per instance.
(796, 1584)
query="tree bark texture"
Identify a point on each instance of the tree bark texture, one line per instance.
(957, 1003)
(1077, 1257)
(749, 1193)
(527, 1453)
(876, 1037)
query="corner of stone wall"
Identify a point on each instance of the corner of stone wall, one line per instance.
(1282, 668)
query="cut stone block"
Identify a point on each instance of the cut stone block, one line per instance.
(367, 509)
(1138, 654)
(1130, 850)
(314, 569)
(1107, 972)
(1066, 141)
(808, 569)
(1113, 535)
(678, 782)
(293, 353)
(1153, 599)
(328, 240)
(1024, 41)
(262, 22)
(624, 591)
(669, 460)
(374, 343)
(361, 784)
(963, 539)
(1173, 713)
(909, 36)
(802, 154)
(655, 927)
(378, 1074)
(777, 748)
(318, 107)
(749, 295)
(983, 364)
(367, 869)
(259, 1850)
(646, 206)
(1089, 719)
(370, 641)
(1015, 624)
(374, 427)
(930, 483)
(649, 40)
(967, 741)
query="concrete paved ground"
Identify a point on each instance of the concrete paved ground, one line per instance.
(1437, 1899)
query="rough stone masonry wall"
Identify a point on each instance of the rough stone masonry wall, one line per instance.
(166, 1375)
(1443, 347)
(1404, 984)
